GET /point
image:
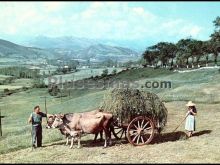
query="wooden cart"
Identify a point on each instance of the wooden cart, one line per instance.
(139, 130)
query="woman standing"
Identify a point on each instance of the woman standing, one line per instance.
(190, 125)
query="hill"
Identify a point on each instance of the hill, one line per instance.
(75, 47)
(12, 50)
(61, 43)
(101, 51)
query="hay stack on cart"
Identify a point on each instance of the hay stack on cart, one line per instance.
(130, 104)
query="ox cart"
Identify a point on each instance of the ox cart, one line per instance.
(137, 115)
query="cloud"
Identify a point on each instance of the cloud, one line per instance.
(12, 30)
(109, 20)
(138, 10)
(53, 6)
(115, 20)
(192, 30)
(179, 28)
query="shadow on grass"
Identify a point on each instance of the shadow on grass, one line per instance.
(202, 132)
(175, 136)
(158, 138)
(90, 143)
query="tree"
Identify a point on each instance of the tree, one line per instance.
(114, 71)
(217, 23)
(195, 49)
(105, 72)
(163, 50)
(148, 56)
(54, 90)
(172, 50)
(215, 39)
(151, 55)
(215, 48)
(183, 50)
(179, 59)
(206, 50)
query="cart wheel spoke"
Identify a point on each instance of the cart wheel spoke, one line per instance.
(121, 130)
(133, 133)
(142, 123)
(142, 140)
(134, 130)
(138, 139)
(138, 124)
(148, 128)
(135, 137)
(145, 125)
(146, 133)
(122, 133)
(135, 126)
(118, 132)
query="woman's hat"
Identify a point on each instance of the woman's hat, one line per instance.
(190, 103)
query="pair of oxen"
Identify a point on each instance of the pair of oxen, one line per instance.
(74, 125)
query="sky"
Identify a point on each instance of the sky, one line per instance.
(134, 21)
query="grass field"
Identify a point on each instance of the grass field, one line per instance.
(167, 148)
(200, 86)
(79, 75)
(3, 77)
(17, 84)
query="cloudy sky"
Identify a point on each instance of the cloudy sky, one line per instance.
(167, 21)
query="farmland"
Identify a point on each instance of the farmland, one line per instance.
(81, 74)
(200, 86)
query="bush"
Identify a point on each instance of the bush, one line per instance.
(40, 85)
(54, 90)
(7, 91)
(104, 72)
(114, 71)
(24, 88)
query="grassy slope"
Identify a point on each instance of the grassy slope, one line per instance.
(15, 83)
(200, 86)
(170, 148)
(135, 74)
(18, 107)
(16, 132)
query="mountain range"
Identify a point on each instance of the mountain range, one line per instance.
(67, 47)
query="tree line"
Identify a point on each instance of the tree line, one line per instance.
(20, 72)
(185, 50)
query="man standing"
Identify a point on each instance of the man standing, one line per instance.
(36, 120)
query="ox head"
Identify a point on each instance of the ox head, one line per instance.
(50, 121)
(58, 121)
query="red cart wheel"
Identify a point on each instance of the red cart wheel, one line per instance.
(140, 131)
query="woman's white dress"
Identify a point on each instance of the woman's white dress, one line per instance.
(190, 123)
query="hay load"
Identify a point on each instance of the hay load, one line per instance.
(125, 104)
